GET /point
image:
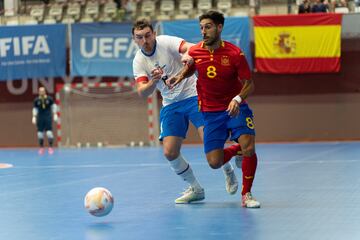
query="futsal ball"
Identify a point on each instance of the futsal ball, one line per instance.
(99, 201)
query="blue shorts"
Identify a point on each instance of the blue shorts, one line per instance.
(174, 118)
(219, 125)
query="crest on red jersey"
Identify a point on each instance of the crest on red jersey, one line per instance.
(225, 60)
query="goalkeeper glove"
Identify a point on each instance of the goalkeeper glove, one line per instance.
(55, 117)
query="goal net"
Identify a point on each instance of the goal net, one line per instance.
(105, 114)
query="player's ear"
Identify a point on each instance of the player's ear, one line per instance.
(154, 33)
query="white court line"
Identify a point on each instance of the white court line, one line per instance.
(276, 162)
(312, 162)
(7, 194)
(97, 166)
(304, 159)
(322, 153)
(153, 165)
(196, 162)
(56, 167)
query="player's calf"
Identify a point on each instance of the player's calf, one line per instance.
(231, 182)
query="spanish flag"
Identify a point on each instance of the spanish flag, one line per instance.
(306, 43)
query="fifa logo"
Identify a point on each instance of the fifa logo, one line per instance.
(24, 46)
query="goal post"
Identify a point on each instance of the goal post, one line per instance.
(105, 114)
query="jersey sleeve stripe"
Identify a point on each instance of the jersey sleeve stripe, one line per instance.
(181, 45)
(141, 79)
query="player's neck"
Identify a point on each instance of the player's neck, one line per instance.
(213, 46)
(151, 52)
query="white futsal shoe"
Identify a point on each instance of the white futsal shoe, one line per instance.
(231, 182)
(248, 201)
(191, 195)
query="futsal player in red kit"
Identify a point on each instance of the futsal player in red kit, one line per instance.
(224, 82)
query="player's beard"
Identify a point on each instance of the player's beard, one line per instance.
(211, 41)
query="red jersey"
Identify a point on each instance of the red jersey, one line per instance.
(219, 74)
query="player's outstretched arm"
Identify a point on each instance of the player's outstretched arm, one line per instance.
(185, 47)
(184, 50)
(248, 84)
(54, 111)
(187, 71)
(34, 115)
(247, 89)
(147, 87)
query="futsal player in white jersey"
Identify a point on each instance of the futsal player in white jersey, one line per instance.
(157, 58)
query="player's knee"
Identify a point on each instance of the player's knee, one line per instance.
(171, 154)
(40, 135)
(214, 163)
(248, 151)
(49, 134)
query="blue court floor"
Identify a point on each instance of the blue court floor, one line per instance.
(308, 191)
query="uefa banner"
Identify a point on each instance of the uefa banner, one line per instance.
(102, 49)
(236, 31)
(32, 51)
(306, 43)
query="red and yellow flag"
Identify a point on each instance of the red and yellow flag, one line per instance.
(306, 43)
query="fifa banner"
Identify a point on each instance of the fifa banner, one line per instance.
(306, 43)
(32, 51)
(102, 49)
(236, 31)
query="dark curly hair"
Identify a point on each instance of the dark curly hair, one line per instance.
(215, 16)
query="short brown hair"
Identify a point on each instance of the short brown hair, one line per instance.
(141, 24)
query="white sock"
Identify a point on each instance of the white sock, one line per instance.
(182, 168)
(227, 167)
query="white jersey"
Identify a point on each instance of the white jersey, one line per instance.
(167, 56)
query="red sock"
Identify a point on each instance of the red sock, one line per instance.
(248, 168)
(231, 151)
